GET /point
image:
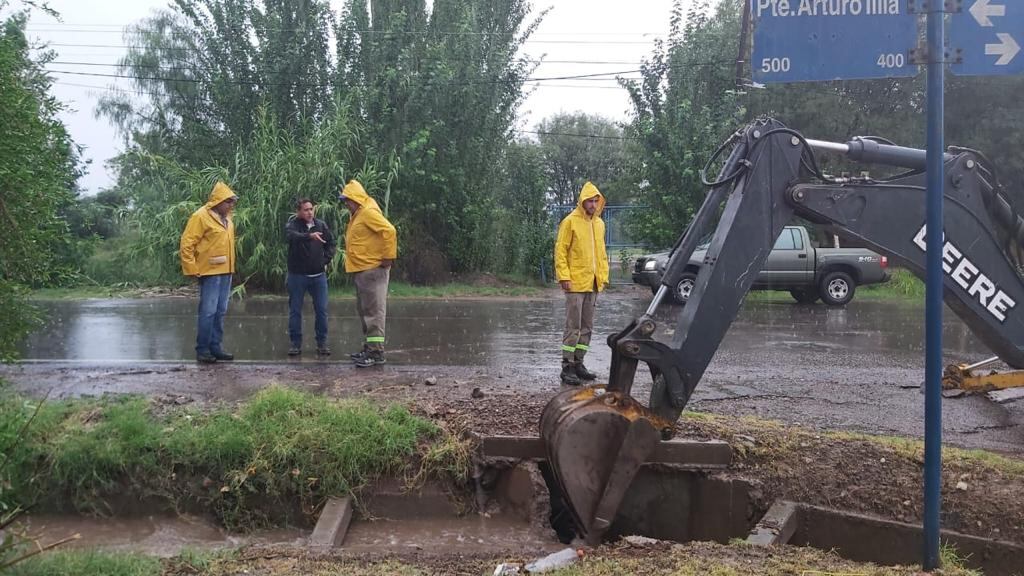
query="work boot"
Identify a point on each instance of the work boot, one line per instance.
(295, 350)
(370, 358)
(222, 355)
(323, 350)
(568, 375)
(206, 358)
(358, 355)
(583, 373)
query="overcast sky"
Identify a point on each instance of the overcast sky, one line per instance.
(595, 36)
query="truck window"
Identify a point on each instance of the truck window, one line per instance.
(787, 241)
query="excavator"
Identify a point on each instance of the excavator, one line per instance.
(598, 437)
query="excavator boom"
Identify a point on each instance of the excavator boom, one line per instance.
(597, 439)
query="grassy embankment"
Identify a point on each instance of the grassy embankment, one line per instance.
(252, 465)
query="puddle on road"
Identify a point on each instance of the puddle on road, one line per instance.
(465, 332)
(162, 536)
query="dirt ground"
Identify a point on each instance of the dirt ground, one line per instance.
(655, 558)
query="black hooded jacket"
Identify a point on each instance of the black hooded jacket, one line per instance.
(306, 255)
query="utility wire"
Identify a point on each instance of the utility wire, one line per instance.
(421, 33)
(70, 27)
(595, 75)
(160, 68)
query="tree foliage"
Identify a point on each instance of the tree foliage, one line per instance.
(683, 108)
(38, 169)
(437, 88)
(579, 147)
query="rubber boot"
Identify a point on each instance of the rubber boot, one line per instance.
(568, 375)
(582, 371)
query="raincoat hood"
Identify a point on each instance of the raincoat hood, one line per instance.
(355, 192)
(588, 192)
(220, 193)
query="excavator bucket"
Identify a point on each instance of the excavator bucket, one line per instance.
(958, 379)
(596, 441)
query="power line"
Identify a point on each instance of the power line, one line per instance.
(439, 59)
(160, 68)
(321, 85)
(593, 136)
(371, 33)
(120, 28)
(576, 77)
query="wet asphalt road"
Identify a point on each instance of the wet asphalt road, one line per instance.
(812, 365)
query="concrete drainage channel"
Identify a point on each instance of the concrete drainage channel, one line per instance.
(684, 495)
(869, 539)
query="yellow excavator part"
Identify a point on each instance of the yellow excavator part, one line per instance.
(973, 377)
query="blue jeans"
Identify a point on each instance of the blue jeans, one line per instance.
(214, 292)
(298, 285)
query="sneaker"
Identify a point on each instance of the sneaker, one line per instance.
(294, 350)
(323, 350)
(222, 355)
(357, 355)
(206, 358)
(370, 359)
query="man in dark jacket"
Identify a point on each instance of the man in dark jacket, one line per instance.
(310, 248)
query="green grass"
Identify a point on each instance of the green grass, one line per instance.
(246, 463)
(513, 288)
(902, 285)
(454, 290)
(83, 293)
(93, 563)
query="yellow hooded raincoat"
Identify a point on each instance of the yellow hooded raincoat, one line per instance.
(580, 254)
(369, 237)
(208, 246)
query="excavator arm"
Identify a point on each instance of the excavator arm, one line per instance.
(597, 438)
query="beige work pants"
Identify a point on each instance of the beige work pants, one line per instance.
(372, 304)
(579, 325)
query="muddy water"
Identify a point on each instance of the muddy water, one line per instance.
(167, 536)
(454, 535)
(163, 536)
(476, 332)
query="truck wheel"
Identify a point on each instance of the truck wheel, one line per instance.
(836, 288)
(684, 287)
(805, 296)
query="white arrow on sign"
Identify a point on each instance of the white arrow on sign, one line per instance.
(982, 12)
(1006, 49)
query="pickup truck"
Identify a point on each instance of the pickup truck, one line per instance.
(794, 265)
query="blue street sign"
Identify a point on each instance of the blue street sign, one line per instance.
(986, 36)
(814, 40)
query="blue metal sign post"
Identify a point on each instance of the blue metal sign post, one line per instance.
(808, 40)
(933, 286)
(987, 36)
